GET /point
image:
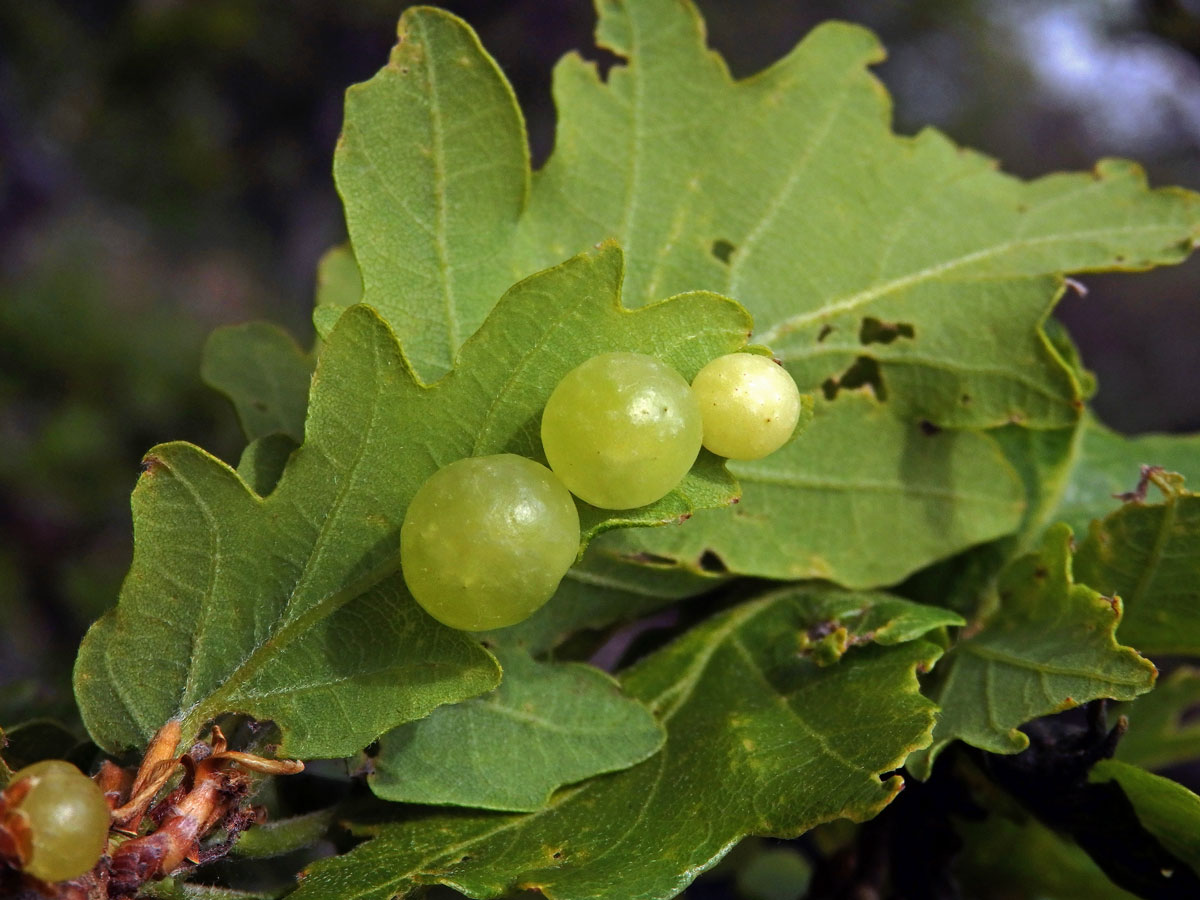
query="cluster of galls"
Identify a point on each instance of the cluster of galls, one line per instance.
(487, 539)
(66, 836)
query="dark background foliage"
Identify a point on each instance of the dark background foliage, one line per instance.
(165, 168)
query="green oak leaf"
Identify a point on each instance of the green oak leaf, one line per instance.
(1107, 463)
(908, 264)
(38, 739)
(760, 740)
(265, 375)
(276, 837)
(263, 461)
(339, 286)
(1048, 646)
(603, 588)
(1046, 460)
(170, 889)
(833, 502)
(433, 169)
(1165, 808)
(1148, 554)
(1002, 858)
(1158, 734)
(547, 725)
(967, 581)
(287, 607)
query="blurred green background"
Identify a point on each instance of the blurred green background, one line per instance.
(165, 169)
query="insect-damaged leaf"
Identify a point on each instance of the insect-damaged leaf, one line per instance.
(761, 739)
(1149, 554)
(906, 263)
(788, 191)
(279, 607)
(1050, 645)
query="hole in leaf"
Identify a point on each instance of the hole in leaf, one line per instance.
(863, 372)
(723, 250)
(822, 629)
(711, 562)
(929, 429)
(602, 58)
(826, 331)
(875, 331)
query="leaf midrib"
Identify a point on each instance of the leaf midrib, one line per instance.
(205, 708)
(991, 655)
(861, 298)
(437, 129)
(1157, 551)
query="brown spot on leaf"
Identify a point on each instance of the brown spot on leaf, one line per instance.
(151, 465)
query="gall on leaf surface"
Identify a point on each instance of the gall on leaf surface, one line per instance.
(289, 607)
(904, 267)
(548, 724)
(1050, 644)
(761, 739)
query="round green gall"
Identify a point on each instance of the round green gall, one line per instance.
(67, 816)
(486, 540)
(621, 430)
(749, 403)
